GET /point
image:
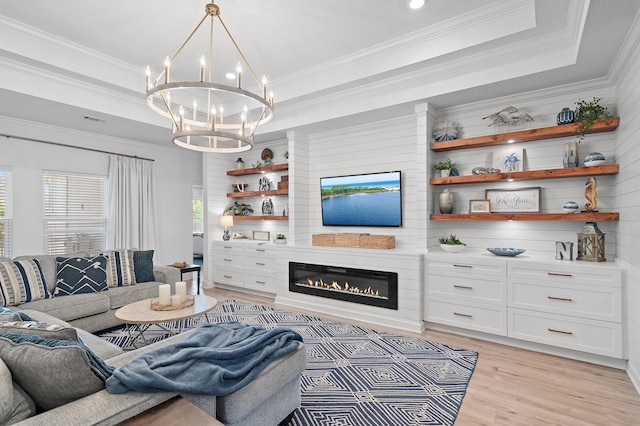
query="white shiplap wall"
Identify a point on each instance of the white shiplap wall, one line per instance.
(377, 147)
(627, 189)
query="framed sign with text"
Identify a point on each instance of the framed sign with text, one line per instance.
(521, 200)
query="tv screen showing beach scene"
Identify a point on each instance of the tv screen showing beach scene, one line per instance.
(372, 199)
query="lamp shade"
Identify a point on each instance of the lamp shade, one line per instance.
(226, 221)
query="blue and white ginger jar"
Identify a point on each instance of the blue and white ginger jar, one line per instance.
(565, 116)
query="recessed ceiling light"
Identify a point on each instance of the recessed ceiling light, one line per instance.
(416, 4)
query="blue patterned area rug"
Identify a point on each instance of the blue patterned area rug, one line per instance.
(357, 376)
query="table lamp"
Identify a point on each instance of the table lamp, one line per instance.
(226, 221)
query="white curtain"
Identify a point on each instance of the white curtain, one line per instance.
(132, 203)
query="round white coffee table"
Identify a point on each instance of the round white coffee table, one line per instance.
(140, 314)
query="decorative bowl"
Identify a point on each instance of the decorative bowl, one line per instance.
(506, 251)
(452, 248)
(570, 207)
(594, 159)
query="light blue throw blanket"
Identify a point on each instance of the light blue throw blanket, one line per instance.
(217, 359)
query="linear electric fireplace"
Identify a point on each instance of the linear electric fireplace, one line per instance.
(375, 288)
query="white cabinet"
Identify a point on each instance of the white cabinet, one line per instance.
(572, 305)
(468, 294)
(245, 264)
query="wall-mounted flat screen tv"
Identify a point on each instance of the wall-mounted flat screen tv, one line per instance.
(371, 199)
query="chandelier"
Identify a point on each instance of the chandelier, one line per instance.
(207, 116)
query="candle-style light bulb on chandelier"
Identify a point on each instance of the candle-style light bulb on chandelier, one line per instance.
(208, 116)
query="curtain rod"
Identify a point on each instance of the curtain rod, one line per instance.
(73, 146)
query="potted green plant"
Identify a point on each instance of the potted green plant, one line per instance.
(239, 209)
(451, 244)
(444, 167)
(587, 113)
(280, 239)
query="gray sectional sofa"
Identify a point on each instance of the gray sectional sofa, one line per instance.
(267, 400)
(94, 311)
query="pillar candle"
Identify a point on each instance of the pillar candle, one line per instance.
(175, 300)
(181, 290)
(164, 294)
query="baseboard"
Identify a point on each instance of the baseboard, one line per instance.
(634, 375)
(620, 364)
(400, 324)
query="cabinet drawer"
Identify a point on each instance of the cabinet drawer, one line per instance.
(260, 251)
(228, 248)
(260, 263)
(264, 282)
(488, 319)
(230, 259)
(460, 266)
(594, 302)
(597, 337)
(566, 274)
(461, 287)
(229, 276)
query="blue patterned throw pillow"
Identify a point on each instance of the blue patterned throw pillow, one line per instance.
(77, 275)
(21, 281)
(120, 270)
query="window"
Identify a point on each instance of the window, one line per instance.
(5, 213)
(198, 226)
(75, 217)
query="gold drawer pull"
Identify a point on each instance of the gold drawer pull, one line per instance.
(555, 274)
(467, 287)
(564, 299)
(227, 247)
(260, 250)
(260, 282)
(458, 314)
(228, 276)
(455, 265)
(559, 331)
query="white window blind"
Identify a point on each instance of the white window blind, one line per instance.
(5, 212)
(75, 217)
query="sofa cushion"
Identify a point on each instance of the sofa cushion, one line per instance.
(77, 275)
(120, 296)
(21, 281)
(53, 372)
(143, 265)
(7, 314)
(71, 308)
(98, 346)
(42, 329)
(120, 270)
(15, 404)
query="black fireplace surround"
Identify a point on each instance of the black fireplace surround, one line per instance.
(374, 288)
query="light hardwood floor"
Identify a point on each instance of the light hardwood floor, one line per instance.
(512, 386)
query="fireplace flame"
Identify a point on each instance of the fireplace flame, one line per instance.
(347, 288)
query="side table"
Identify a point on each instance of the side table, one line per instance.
(190, 268)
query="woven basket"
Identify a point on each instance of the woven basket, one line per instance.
(323, 240)
(348, 240)
(378, 241)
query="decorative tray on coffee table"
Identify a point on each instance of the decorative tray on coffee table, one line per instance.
(156, 306)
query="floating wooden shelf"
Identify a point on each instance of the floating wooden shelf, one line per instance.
(261, 218)
(258, 170)
(257, 193)
(527, 135)
(582, 217)
(606, 169)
